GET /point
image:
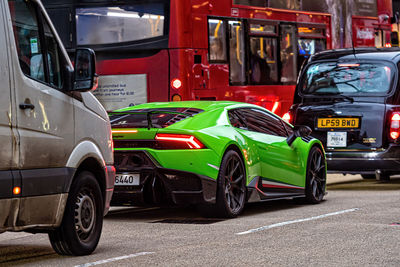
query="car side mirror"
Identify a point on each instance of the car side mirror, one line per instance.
(85, 70)
(298, 131)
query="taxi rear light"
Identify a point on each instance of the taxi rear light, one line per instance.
(395, 125)
(394, 135)
(189, 141)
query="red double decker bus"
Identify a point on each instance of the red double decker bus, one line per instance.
(172, 50)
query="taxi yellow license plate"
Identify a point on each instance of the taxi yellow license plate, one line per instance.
(338, 122)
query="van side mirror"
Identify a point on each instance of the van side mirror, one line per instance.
(298, 131)
(85, 69)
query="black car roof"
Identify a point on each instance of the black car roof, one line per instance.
(361, 53)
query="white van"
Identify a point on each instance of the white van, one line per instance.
(56, 173)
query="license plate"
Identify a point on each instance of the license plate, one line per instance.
(336, 139)
(127, 179)
(338, 122)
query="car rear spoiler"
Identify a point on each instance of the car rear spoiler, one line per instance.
(148, 114)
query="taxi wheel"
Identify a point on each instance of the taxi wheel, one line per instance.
(82, 223)
(316, 176)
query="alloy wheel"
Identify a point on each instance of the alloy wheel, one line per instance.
(234, 183)
(317, 175)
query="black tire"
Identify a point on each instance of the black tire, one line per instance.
(368, 176)
(80, 230)
(231, 188)
(316, 176)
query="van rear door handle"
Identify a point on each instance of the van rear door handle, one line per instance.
(26, 106)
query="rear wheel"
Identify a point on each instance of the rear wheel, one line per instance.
(80, 229)
(231, 190)
(316, 176)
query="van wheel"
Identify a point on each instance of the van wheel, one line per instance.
(80, 230)
(316, 176)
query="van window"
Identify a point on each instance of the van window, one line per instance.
(31, 46)
(27, 39)
(53, 57)
(347, 78)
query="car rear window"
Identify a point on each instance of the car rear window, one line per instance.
(347, 78)
(160, 117)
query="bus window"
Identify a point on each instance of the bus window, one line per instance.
(217, 40)
(237, 71)
(263, 64)
(108, 25)
(308, 47)
(288, 54)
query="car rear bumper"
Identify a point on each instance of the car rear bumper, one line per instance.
(163, 186)
(361, 162)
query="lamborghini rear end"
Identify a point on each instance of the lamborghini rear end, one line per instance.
(158, 164)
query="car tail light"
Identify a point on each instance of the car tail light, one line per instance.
(180, 140)
(395, 125)
(287, 117)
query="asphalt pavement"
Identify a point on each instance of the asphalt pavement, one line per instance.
(357, 225)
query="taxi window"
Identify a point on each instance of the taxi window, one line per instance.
(347, 78)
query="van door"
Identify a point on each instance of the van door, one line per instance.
(7, 126)
(44, 112)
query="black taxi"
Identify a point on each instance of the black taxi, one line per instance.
(351, 100)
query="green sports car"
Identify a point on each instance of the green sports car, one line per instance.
(216, 154)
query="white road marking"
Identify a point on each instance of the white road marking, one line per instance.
(114, 259)
(295, 221)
